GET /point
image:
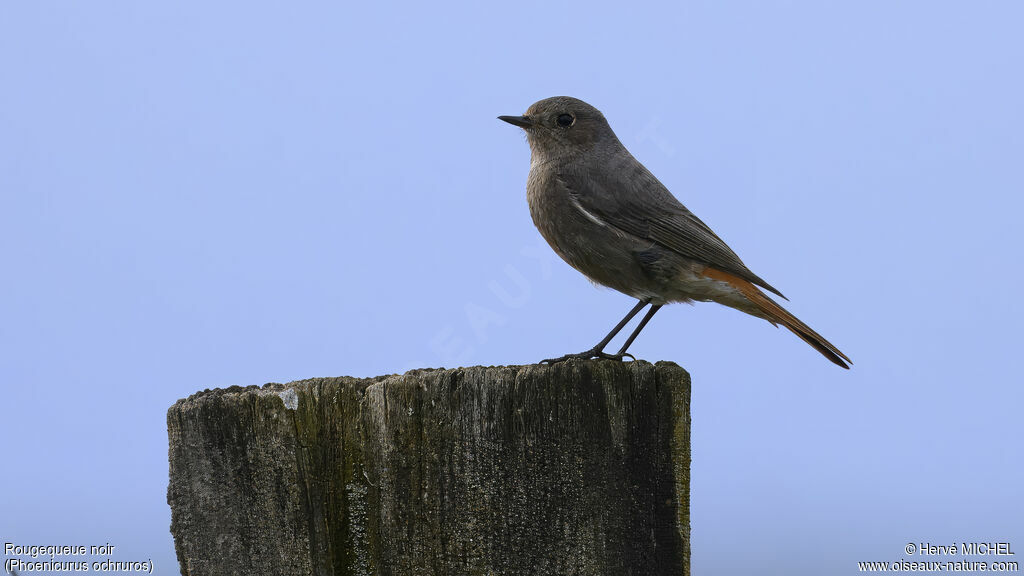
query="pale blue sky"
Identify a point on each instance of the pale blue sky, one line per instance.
(197, 195)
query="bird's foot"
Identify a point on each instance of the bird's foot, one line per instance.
(589, 355)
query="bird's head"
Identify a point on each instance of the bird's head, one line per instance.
(562, 126)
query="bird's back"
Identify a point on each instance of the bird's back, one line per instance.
(607, 191)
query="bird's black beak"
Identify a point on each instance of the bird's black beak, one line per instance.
(521, 121)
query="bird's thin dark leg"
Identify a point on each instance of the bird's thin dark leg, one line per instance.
(636, 332)
(598, 350)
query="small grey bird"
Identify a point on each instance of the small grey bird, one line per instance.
(607, 216)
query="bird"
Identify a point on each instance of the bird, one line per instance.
(610, 218)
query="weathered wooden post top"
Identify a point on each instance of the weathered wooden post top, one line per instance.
(579, 468)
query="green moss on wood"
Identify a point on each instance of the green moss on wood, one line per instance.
(580, 468)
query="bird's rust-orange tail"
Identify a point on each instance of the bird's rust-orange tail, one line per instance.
(779, 315)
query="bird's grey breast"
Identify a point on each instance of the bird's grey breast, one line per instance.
(562, 211)
(550, 204)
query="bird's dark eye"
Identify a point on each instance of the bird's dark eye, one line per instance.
(565, 120)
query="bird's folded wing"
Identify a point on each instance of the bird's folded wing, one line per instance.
(635, 202)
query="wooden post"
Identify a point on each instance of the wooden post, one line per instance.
(579, 468)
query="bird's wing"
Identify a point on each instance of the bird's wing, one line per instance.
(634, 201)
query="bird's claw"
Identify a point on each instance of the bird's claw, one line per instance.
(590, 355)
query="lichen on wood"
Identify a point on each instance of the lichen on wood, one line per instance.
(577, 468)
